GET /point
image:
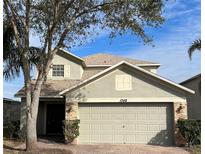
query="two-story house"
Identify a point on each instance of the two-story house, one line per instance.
(117, 99)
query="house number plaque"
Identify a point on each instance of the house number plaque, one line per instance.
(123, 100)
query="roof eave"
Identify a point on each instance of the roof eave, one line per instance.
(20, 96)
(157, 65)
(190, 79)
(71, 54)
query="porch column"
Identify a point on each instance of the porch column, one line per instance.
(71, 113)
(180, 112)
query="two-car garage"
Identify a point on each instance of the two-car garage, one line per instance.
(126, 123)
(127, 105)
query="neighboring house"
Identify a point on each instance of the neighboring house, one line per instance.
(194, 101)
(11, 110)
(117, 99)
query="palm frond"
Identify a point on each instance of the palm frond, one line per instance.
(196, 45)
(11, 56)
(12, 65)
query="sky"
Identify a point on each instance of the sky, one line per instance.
(170, 45)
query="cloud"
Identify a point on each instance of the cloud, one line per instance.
(172, 42)
(174, 9)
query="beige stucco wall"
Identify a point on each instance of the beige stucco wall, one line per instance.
(143, 89)
(72, 67)
(194, 100)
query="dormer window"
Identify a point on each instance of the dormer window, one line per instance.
(123, 82)
(58, 70)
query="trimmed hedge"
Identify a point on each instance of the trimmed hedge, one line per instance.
(71, 130)
(190, 130)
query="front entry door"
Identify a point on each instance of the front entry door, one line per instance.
(55, 117)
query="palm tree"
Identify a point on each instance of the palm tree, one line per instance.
(196, 45)
(11, 56)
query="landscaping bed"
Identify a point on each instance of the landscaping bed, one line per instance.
(14, 147)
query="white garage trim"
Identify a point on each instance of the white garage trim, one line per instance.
(138, 99)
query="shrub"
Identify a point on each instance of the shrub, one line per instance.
(190, 130)
(13, 128)
(71, 129)
(14, 132)
(21, 134)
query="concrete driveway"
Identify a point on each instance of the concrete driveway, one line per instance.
(126, 149)
(112, 148)
(116, 149)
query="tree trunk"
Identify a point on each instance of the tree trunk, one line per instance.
(31, 138)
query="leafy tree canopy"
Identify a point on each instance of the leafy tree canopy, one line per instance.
(77, 17)
(67, 23)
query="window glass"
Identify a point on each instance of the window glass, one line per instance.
(123, 82)
(58, 70)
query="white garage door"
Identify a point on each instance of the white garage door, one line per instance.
(149, 123)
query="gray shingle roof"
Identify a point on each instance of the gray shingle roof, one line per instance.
(107, 59)
(53, 87)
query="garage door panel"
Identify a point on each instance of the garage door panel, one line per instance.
(108, 138)
(117, 138)
(126, 123)
(106, 116)
(129, 139)
(154, 127)
(85, 116)
(106, 127)
(130, 127)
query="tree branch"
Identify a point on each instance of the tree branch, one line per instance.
(13, 22)
(59, 45)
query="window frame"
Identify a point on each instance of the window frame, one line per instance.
(61, 70)
(121, 85)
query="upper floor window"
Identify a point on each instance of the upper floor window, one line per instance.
(58, 70)
(123, 82)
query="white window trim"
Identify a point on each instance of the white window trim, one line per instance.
(68, 73)
(123, 89)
